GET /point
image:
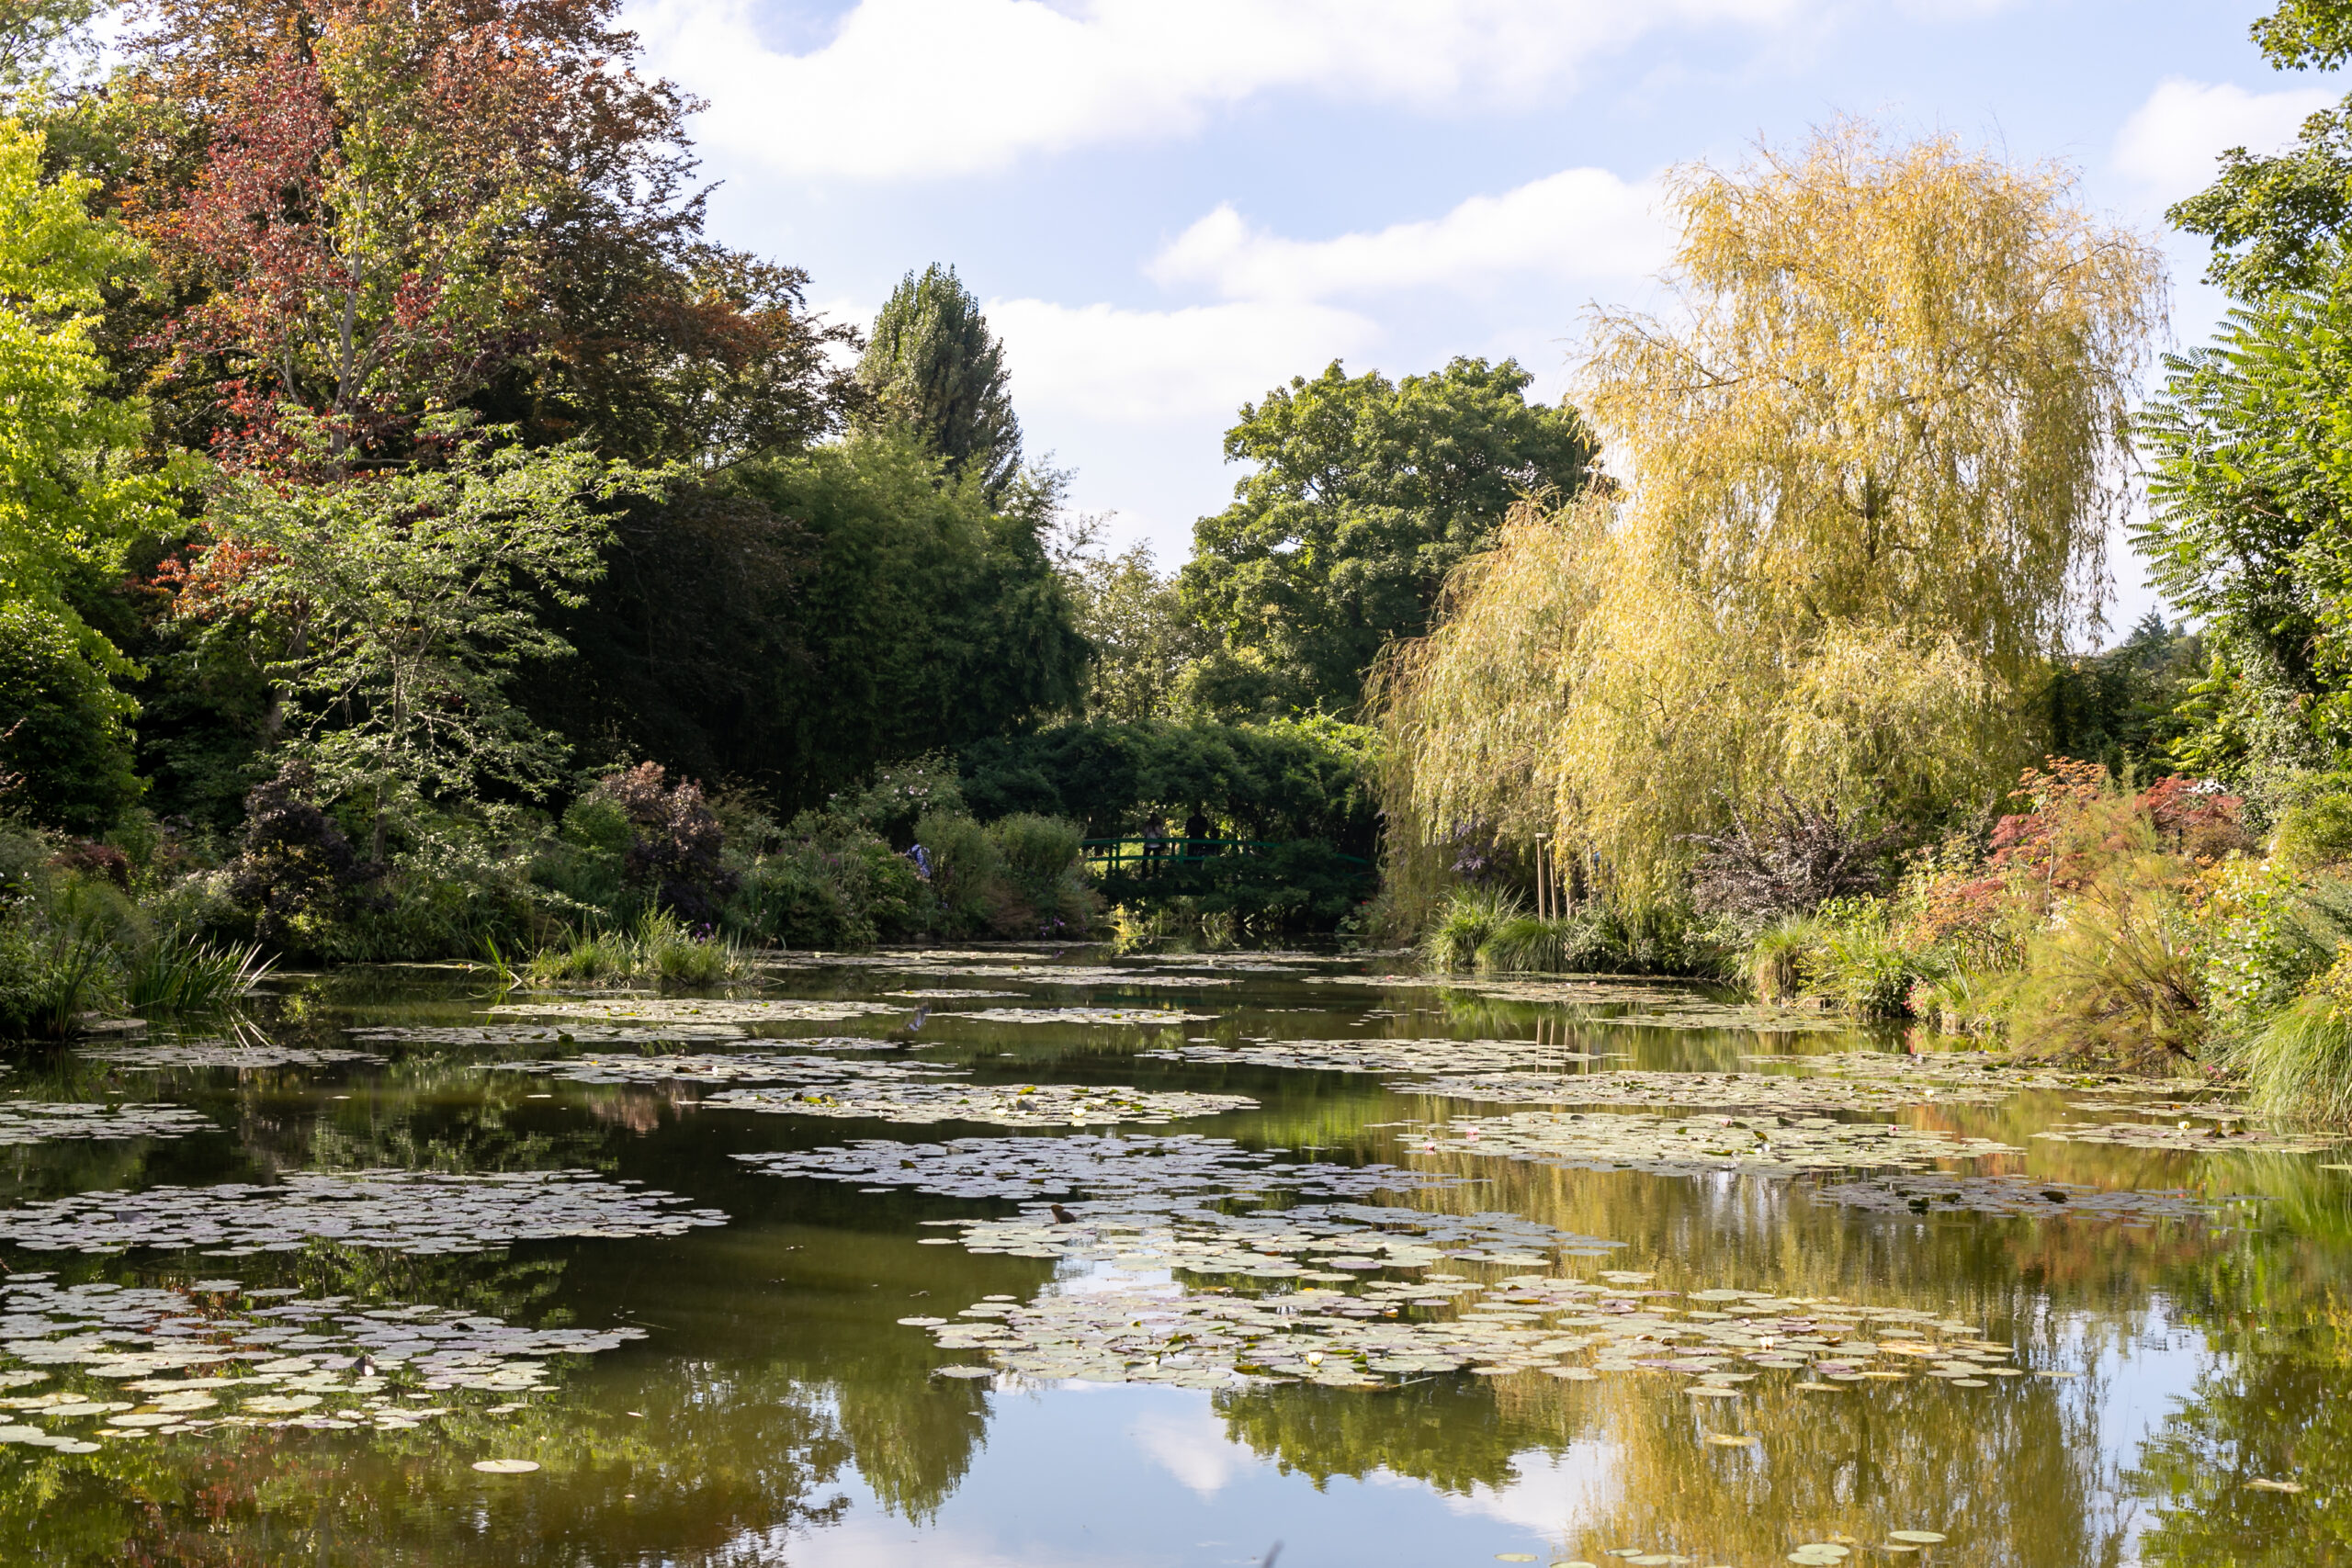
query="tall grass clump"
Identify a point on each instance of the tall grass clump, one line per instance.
(177, 972)
(1468, 919)
(2300, 1065)
(1861, 962)
(1526, 944)
(656, 946)
(1776, 958)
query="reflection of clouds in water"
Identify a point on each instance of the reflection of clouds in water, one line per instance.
(1191, 1446)
(1551, 1495)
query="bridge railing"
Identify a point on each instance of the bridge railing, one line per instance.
(1114, 854)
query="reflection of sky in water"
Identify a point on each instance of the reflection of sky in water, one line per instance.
(1140, 1477)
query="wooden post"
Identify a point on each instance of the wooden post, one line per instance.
(1543, 883)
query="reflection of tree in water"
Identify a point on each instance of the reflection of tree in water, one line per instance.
(1447, 1432)
(2267, 1413)
(913, 1436)
(722, 1467)
(2275, 1306)
(2011, 1473)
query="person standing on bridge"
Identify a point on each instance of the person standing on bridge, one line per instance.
(1197, 841)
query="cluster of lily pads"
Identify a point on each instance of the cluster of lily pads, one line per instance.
(670, 1010)
(1332, 1243)
(909, 1099)
(1988, 1068)
(1375, 1056)
(1772, 1145)
(215, 1356)
(1574, 1329)
(419, 1212)
(1721, 1092)
(749, 1067)
(2189, 1135)
(2011, 1196)
(508, 1034)
(1648, 1005)
(241, 1055)
(1151, 1017)
(42, 1122)
(1166, 1167)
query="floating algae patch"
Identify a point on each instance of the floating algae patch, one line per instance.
(683, 1010)
(1124, 1331)
(397, 1211)
(1146, 1016)
(1375, 1056)
(1771, 1145)
(41, 1121)
(170, 1362)
(1936, 1193)
(747, 1069)
(1184, 1165)
(240, 1053)
(2190, 1138)
(909, 1100)
(1726, 1091)
(504, 1034)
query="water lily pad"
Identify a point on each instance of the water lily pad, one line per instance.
(506, 1466)
(244, 1056)
(1006, 1105)
(1695, 1144)
(1146, 1017)
(1375, 1056)
(2189, 1136)
(397, 1211)
(36, 1122)
(1916, 1538)
(1937, 1192)
(686, 1010)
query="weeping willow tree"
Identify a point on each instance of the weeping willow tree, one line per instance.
(1870, 460)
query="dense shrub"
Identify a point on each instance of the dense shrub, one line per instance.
(1278, 781)
(673, 851)
(65, 745)
(296, 877)
(835, 887)
(1788, 857)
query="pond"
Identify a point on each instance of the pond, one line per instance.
(1047, 1255)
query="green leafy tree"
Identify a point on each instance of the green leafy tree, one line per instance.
(1367, 492)
(932, 364)
(1144, 639)
(2249, 527)
(805, 619)
(72, 488)
(65, 757)
(2275, 219)
(406, 600)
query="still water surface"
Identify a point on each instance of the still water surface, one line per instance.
(776, 1410)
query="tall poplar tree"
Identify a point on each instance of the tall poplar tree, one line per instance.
(932, 364)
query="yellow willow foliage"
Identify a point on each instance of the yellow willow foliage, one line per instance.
(1873, 462)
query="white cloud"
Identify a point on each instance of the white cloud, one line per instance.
(2170, 143)
(1101, 364)
(1573, 226)
(919, 88)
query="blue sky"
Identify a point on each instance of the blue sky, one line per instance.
(1170, 204)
